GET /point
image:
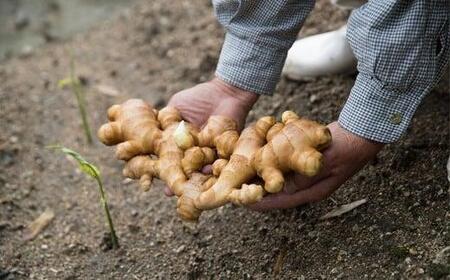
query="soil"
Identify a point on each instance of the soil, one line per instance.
(151, 51)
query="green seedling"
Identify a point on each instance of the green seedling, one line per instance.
(94, 173)
(78, 90)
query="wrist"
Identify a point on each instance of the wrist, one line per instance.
(373, 147)
(241, 96)
(365, 146)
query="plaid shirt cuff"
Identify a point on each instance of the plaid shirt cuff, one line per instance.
(378, 113)
(251, 66)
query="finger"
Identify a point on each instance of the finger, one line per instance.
(168, 192)
(297, 182)
(207, 169)
(282, 200)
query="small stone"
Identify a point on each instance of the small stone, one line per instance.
(334, 270)
(13, 139)
(313, 98)
(208, 237)
(44, 246)
(127, 181)
(179, 249)
(27, 50)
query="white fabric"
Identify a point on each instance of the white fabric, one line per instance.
(319, 55)
(348, 4)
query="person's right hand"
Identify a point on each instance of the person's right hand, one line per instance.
(215, 97)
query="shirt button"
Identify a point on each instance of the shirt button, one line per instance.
(396, 118)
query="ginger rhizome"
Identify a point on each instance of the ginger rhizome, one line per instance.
(293, 145)
(133, 126)
(162, 145)
(140, 131)
(238, 170)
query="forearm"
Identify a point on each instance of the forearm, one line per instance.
(402, 48)
(259, 34)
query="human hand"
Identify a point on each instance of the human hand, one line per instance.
(347, 154)
(215, 97)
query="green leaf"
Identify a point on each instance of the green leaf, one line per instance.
(63, 83)
(84, 165)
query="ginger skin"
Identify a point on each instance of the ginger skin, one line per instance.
(220, 133)
(187, 191)
(293, 146)
(135, 127)
(238, 170)
(195, 158)
(160, 144)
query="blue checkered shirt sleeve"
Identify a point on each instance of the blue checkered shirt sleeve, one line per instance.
(259, 34)
(402, 48)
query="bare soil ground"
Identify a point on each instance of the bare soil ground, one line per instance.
(150, 52)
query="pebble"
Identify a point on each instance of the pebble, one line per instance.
(334, 270)
(26, 51)
(179, 249)
(412, 251)
(13, 139)
(313, 98)
(127, 181)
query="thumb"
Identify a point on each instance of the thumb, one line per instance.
(168, 192)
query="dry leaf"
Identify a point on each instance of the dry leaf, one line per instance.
(278, 265)
(343, 209)
(107, 90)
(39, 224)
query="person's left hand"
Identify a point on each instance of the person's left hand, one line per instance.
(347, 154)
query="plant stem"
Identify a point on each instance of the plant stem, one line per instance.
(76, 88)
(104, 203)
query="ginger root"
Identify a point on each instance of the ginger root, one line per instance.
(221, 133)
(238, 170)
(135, 127)
(294, 145)
(187, 191)
(160, 144)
